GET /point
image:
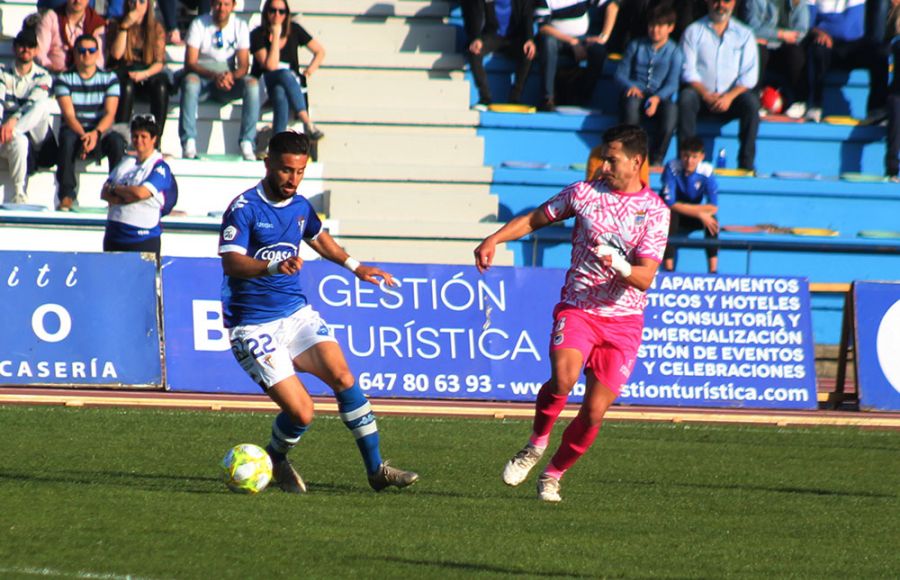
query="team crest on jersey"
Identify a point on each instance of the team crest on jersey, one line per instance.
(640, 217)
(229, 234)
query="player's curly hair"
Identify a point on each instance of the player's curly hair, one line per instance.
(633, 139)
(289, 142)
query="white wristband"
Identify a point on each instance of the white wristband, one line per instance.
(273, 267)
(619, 263)
(351, 264)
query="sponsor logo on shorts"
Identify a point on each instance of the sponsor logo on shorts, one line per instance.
(229, 234)
(323, 331)
(268, 361)
(558, 339)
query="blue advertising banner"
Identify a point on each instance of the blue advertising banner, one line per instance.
(78, 319)
(449, 332)
(876, 307)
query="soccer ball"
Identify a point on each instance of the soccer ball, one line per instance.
(246, 468)
(771, 100)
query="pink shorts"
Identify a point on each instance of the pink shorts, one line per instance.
(608, 344)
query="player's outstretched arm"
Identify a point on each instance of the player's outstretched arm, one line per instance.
(329, 249)
(514, 229)
(640, 274)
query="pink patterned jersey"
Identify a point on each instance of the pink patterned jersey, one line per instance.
(636, 224)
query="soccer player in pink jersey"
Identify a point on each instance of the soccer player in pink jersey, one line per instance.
(620, 234)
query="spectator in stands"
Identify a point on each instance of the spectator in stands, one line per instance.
(58, 29)
(137, 54)
(88, 97)
(563, 31)
(24, 104)
(505, 26)
(892, 156)
(780, 26)
(217, 64)
(168, 9)
(274, 45)
(838, 39)
(722, 87)
(648, 76)
(690, 190)
(138, 191)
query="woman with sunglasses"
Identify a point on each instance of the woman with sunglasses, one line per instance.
(274, 46)
(137, 54)
(140, 190)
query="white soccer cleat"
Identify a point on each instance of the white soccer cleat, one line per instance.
(517, 469)
(548, 489)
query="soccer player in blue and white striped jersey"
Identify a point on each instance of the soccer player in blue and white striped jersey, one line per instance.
(274, 331)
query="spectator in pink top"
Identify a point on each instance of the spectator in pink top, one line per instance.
(620, 234)
(58, 29)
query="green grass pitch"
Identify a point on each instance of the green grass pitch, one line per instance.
(116, 493)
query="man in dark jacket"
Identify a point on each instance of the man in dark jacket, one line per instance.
(499, 25)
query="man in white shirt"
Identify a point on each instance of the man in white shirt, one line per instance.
(217, 64)
(24, 105)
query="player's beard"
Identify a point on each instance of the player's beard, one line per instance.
(276, 190)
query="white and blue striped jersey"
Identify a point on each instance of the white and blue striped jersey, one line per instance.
(265, 230)
(135, 222)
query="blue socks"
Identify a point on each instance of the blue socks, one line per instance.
(285, 434)
(356, 413)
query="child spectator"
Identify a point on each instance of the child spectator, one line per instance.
(499, 26)
(780, 26)
(648, 76)
(690, 190)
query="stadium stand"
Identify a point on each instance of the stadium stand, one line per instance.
(408, 173)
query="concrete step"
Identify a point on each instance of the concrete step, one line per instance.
(363, 144)
(379, 34)
(390, 203)
(404, 8)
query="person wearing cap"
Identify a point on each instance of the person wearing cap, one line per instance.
(140, 190)
(24, 105)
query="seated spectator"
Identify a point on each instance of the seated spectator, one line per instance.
(838, 39)
(139, 191)
(88, 97)
(217, 64)
(24, 101)
(563, 31)
(648, 76)
(722, 87)
(58, 29)
(892, 157)
(168, 9)
(274, 46)
(137, 53)
(690, 190)
(505, 26)
(780, 26)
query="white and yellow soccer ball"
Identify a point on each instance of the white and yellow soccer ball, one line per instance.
(246, 468)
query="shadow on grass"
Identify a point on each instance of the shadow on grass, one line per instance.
(144, 481)
(475, 567)
(765, 488)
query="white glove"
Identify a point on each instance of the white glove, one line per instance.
(619, 263)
